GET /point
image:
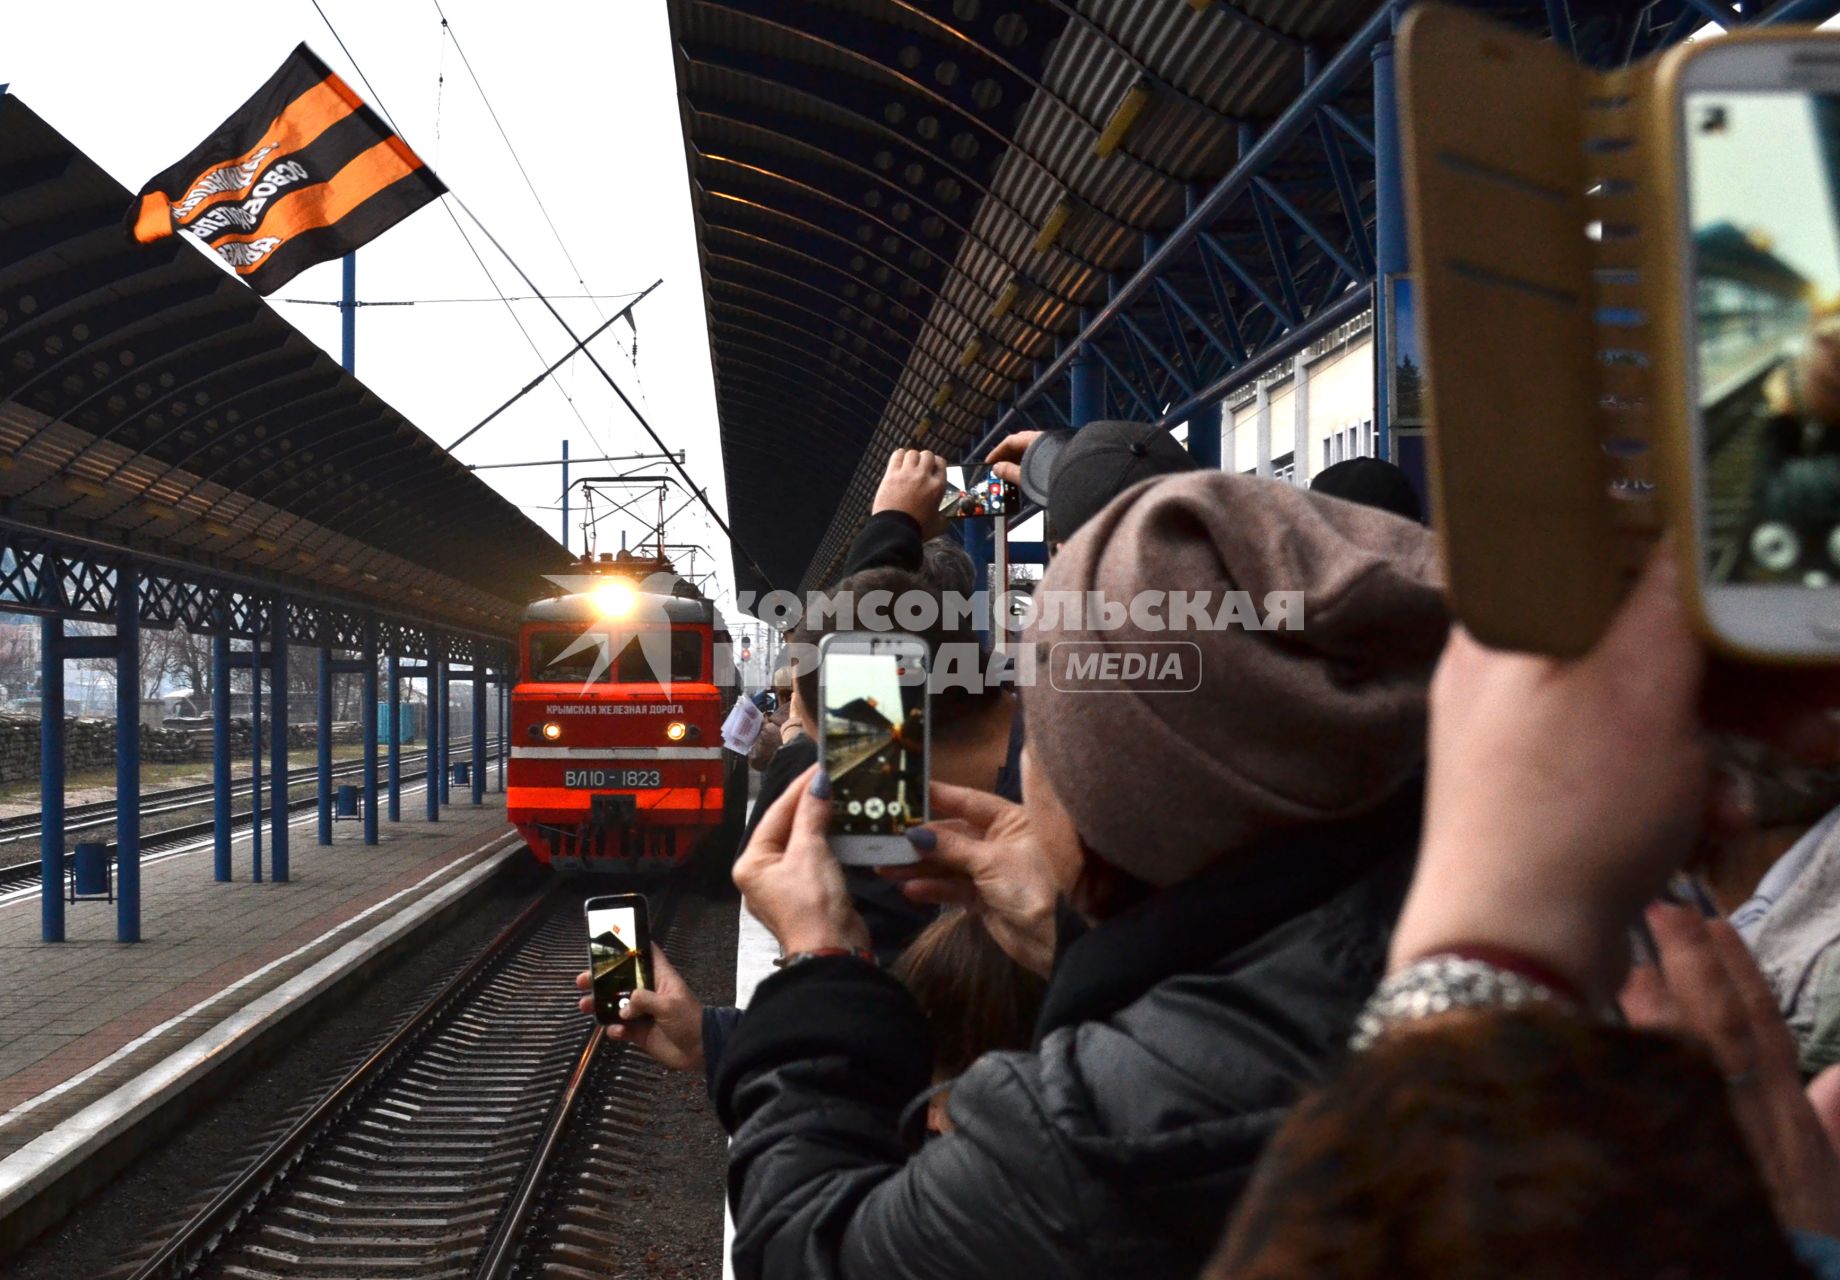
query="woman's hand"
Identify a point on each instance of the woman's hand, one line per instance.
(790, 880)
(665, 1024)
(1561, 793)
(1708, 989)
(979, 854)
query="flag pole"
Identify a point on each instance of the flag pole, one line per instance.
(348, 314)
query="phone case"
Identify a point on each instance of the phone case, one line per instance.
(1544, 212)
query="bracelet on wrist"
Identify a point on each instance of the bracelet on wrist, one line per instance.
(1460, 980)
(817, 953)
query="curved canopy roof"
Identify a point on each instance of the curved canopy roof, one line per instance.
(151, 400)
(905, 206)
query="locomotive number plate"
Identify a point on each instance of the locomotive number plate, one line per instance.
(601, 779)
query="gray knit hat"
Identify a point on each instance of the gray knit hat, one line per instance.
(1168, 766)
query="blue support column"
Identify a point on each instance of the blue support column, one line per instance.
(127, 754)
(504, 732)
(278, 745)
(220, 756)
(1086, 380)
(478, 771)
(1204, 437)
(447, 736)
(393, 734)
(255, 760)
(368, 726)
(1390, 258)
(323, 736)
(435, 685)
(51, 778)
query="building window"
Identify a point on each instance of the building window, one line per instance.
(1285, 468)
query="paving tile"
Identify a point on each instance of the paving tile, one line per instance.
(67, 1008)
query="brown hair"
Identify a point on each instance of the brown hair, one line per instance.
(976, 999)
(1526, 1145)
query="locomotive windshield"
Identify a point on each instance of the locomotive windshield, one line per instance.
(581, 657)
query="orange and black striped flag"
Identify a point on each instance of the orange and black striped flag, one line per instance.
(301, 173)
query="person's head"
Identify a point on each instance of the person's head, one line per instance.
(1073, 474)
(1371, 482)
(947, 565)
(1284, 687)
(976, 999)
(1528, 1145)
(958, 659)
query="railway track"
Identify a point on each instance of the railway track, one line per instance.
(101, 816)
(440, 1154)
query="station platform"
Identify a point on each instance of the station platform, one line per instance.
(102, 1042)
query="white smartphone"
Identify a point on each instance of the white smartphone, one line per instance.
(1759, 140)
(873, 737)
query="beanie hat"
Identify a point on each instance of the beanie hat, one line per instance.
(1300, 709)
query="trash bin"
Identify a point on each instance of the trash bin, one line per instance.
(463, 774)
(89, 871)
(348, 801)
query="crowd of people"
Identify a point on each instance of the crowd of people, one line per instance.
(1369, 952)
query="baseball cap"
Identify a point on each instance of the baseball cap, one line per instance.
(1100, 461)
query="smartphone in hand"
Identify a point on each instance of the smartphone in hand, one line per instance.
(619, 951)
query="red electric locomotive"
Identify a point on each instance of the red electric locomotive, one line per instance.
(617, 761)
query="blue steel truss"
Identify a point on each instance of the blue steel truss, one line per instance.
(1251, 276)
(67, 577)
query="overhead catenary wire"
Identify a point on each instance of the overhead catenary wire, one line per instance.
(700, 493)
(431, 302)
(466, 62)
(376, 100)
(689, 481)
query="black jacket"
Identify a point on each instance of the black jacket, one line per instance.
(1173, 1038)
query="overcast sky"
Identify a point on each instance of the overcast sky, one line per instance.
(587, 94)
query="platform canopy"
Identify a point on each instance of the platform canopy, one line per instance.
(915, 215)
(152, 403)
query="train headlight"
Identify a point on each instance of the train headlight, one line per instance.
(675, 731)
(615, 600)
(551, 730)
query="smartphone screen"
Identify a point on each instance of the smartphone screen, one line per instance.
(1763, 202)
(981, 493)
(874, 735)
(619, 950)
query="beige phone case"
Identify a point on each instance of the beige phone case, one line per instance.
(1544, 201)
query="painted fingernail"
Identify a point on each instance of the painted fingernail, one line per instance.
(821, 785)
(1702, 897)
(924, 839)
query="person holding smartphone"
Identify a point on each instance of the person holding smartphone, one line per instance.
(1238, 850)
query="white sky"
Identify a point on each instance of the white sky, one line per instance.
(588, 95)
